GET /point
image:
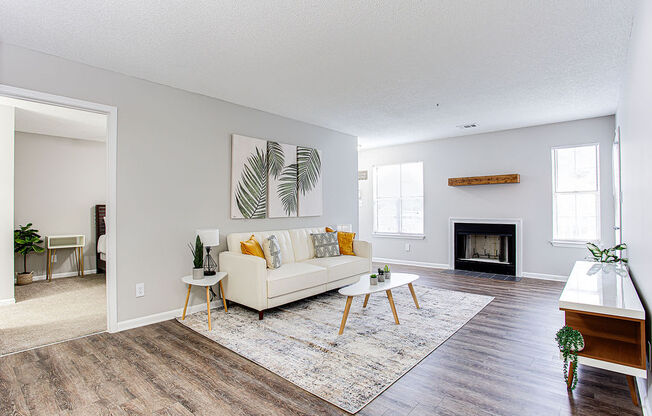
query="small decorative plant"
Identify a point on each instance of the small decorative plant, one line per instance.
(608, 255)
(381, 271)
(373, 279)
(570, 341)
(386, 269)
(197, 258)
(26, 240)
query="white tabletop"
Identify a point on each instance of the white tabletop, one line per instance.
(364, 286)
(601, 288)
(206, 281)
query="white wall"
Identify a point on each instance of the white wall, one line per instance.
(173, 162)
(6, 204)
(633, 118)
(525, 151)
(58, 181)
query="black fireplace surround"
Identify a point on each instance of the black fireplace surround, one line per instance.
(499, 259)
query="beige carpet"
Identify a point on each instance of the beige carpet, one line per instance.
(47, 312)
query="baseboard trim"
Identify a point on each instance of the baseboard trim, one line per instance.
(411, 263)
(641, 386)
(9, 301)
(542, 276)
(64, 274)
(164, 316)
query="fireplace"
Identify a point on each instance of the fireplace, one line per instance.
(489, 248)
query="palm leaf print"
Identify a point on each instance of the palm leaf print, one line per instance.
(309, 168)
(275, 159)
(287, 189)
(251, 192)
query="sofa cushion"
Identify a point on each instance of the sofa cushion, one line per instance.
(283, 236)
(326, 244)
(291, 277)
(302, 242)
(341, 266)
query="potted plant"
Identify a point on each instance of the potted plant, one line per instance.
(608, 255)
(388, 273)
(373, 279)
(381, 275)
(570, 341)
(197, 259)
(26, 240)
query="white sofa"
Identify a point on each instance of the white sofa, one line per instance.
(251, 283)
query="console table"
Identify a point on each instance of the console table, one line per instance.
(56, 242)
(600, 301)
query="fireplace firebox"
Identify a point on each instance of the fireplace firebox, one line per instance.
(489, 248)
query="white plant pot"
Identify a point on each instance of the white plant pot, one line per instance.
(198, 273)
(373, 280)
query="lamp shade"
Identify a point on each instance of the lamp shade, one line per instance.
(210, 237)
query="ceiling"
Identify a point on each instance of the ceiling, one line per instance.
(33, 117)
(387, 71)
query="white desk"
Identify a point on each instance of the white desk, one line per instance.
(600, 301)
(55, 242)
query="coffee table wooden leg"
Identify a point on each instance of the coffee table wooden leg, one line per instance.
(631, 381)
(391, 303)
(186, 305)
(346, 313)
(414, 295)
(366, 299)
(208, 306)
(223, 298)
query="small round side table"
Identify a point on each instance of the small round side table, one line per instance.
(207, 282)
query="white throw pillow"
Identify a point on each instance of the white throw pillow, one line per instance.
(272, 251)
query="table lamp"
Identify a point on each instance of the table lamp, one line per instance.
(210, 237)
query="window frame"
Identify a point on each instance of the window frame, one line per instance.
(569, 242)
(399, 234)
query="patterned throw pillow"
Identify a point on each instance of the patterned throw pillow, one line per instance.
(272, 250)
(326, 244)
(345, 240)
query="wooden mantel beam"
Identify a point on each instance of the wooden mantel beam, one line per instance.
(485, 180)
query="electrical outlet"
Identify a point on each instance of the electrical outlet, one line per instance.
(140, 290)
(407, 246)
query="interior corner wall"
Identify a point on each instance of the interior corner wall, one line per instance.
(526, 151)
(174, 168)
(6, 204)
(58, 181)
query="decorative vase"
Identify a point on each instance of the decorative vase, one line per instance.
(373, 280)
(24, 278)
(388, 275)
(198, 273)
(381, 278)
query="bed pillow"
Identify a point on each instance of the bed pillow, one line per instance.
(326, 244)
(345, 240)
(272, 250)
(252, 247)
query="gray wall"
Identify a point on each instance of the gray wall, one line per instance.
(6, 202)
(57, 182)
(526, 151)
(174, 169)
(633, 118)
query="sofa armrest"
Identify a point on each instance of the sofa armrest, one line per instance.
(246, 282)
(362, 249)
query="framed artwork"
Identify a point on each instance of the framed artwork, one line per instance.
(248, 177)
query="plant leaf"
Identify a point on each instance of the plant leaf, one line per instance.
(287, 190)
(251, 192)
(275, 159)
(309, 168)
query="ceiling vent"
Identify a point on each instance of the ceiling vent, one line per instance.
(468, 126)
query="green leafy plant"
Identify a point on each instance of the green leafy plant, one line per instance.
(373, 275)
(309, 168)
(570, 341)
(251, 192)
(608, 255)
(27, 240)
(197, 253)
(386, 269)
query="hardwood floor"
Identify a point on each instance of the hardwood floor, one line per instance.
(503, 362)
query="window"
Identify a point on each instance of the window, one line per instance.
(576, 194)
(398, 199)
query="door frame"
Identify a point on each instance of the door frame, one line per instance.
(111, 161)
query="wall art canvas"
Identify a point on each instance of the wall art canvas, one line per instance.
(248, 177)
(309, 181)
(282, 180)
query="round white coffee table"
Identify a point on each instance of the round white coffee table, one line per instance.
(364, 287)
(208, 282)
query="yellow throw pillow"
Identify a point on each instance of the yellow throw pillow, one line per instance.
(252, 247)
(345, 240)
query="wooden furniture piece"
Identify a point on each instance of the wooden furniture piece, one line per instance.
(100, 230)
(484, 180)
(208, 282)
(600, 301)
(57, 242)
(364, 287)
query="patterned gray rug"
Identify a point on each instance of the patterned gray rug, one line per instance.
(299, 341)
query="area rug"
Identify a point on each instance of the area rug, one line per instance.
(299, 341)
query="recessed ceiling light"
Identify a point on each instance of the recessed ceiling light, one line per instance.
(468, 126)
